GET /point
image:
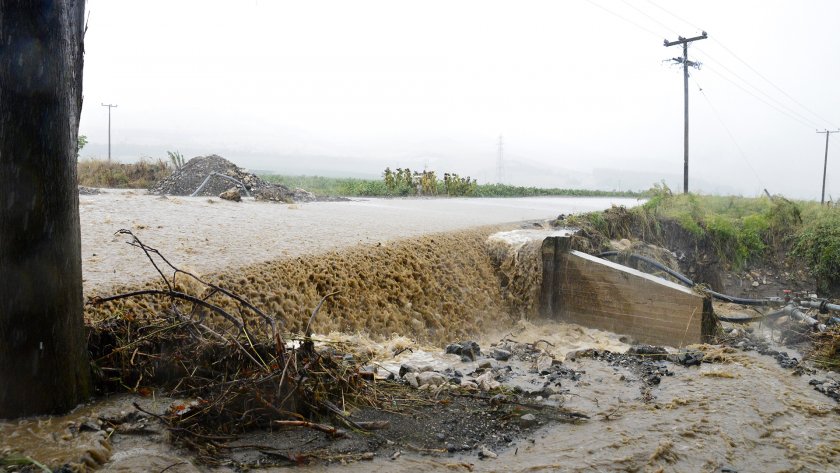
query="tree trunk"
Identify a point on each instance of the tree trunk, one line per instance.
(43, 352)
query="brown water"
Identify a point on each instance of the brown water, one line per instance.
(743, 411)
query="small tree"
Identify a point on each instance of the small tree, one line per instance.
(80, 144)
(176, 158)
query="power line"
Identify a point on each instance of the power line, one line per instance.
(650, 17)
(792, 117)
(754, 70)
(646, 30)
(774, 85)
(728, 132)
(777, 102)
(675, 16)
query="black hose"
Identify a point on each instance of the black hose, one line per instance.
(688, 282)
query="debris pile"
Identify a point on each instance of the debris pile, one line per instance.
(191, 176)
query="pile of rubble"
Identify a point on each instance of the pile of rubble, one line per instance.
(188, 179)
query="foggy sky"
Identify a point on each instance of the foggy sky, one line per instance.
(582, 97)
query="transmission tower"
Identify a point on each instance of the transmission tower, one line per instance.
(500, 162)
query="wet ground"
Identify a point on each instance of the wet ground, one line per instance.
(568, 399)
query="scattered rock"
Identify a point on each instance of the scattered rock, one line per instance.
(500, 354)
(468, 351)
(649, 351)
(528, 420)
(486, 382)
(411, 377)
(231, 194)
(688, 358)
(430, 378)
(89, 191)
(486, 453)
(544, 363)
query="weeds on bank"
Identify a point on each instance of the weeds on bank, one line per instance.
(740, 229)
(140, 175)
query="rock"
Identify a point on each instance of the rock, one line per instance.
(404, 368)
(486, 453)
(430, 378)
(755, 284)
(486, 382)
(440, 436)
(688, 358)
(231, 194)
(650, 352)
(470, 385)
(528, 420)
(274, 193)
(544, 363)
(468, 351)
(485, 364)
(500, 354)
(411, 377)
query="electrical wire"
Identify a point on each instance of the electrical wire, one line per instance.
(729, 132)
(646, 30)
(792, 117)
(754, 70)
(650, 17)
(774, 85)
(777, 102)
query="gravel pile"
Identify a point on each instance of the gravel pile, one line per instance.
(186, 180)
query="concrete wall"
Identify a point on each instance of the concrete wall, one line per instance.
(597, 293)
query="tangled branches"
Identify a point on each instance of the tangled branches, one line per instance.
(239, 371)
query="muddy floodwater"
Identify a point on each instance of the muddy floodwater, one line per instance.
(207, 234)
(738, 411)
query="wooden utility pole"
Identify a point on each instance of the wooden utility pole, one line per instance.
(825, 163)
(110, 106)
(686, 63)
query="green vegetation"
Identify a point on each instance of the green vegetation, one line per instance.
(176, 158)
(82, 141)
(331, 186)
(404, 183)
(140, 175)
(741, 230)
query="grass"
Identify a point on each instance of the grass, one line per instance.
(743, 229)
(351, 187)
(140, 175)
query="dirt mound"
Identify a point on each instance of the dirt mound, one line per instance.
(189, 178)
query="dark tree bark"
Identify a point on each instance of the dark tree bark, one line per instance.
(44, 365)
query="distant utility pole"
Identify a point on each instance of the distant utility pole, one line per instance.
(500, 163)
(110, 106)
(825, 163)
(686, 63)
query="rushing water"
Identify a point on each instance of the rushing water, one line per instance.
(742, 412)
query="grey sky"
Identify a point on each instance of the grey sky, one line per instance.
(582, 97)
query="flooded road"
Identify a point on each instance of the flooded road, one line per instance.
(213, 234)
